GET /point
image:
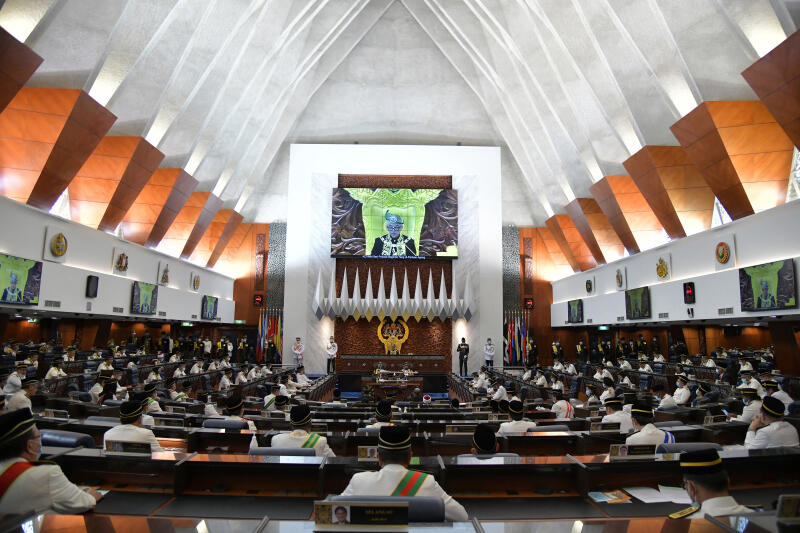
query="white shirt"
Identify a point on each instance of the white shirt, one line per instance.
(480, 383)
(557, 385)
(666, 402)
(283, 390)
(95, 392)
(54, 373)
(179, 373)
(41, 488)
(607, 374)
(625, 365)
(254, 373)
(754, 384)
(658, 358)
(558, 366)
(224, 383)
(296, 438)
(18, 400)
(570, 369)
(210, 410)
(298, 348)
(13, 384)
(749, 412)
(384, 481)
(501, 394)
(207, 346)
(269, 402)
(780, 433)
(646, 368)
(303, 380)
(240, 378)
(175, 358)
(650, 435)
(541, 381)
(627, 381)
(598, 376)
(745, 366)
(514, 427)
(527, 375)
(563, 409)
(488, 352)
(331, 350)
(28, 362)
(197, 368)
(151, 377)
(710, 364)
(682, 395)
(132, 433)
(105, 366)
(606, 394)
(784, 397)
(624, 419)
(378, 425)
(721, 506)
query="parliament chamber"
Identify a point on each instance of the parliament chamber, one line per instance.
(399, 265)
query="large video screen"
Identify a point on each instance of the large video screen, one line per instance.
(209, 311)
(637, 303)
(20, 280)
(574, 311)
(768, 286)
(144, 299)
(394, 223)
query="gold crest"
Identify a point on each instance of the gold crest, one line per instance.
(392, 334)
(662, 271)
(58, 246)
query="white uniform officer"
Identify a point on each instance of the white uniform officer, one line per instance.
(130, 428)
(517, 424)
(752, 405)
(26, 488)
(331, 350)
(646, 432)
(617, 415)
(488, 353)
(297, 349)
(682, 392)
(395, 479)
(706, 482)
(774, 390)
(768, 429)
(301, 437)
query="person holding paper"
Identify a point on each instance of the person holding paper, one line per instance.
(706, 482)
(395, 479)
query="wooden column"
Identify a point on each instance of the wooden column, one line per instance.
(787, 355)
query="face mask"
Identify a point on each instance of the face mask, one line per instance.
(588, 392)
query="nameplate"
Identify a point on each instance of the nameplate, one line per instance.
(176, 410)
(360, 516)
(788, 509)
(119, 447)
(55, 413)
(604, 426)
(594, 413)
(368, 454)
(462, 428)
(627, 452)
(499, 417)
(711, 420)
(168, 422)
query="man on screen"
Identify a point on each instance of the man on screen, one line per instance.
(394, 243)
(765, 299)
(12, 292)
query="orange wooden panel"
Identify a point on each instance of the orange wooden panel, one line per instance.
(571, 243)
(208, 241)
(241, 265)
(209, 211)
(744, 155)
(595, 229)
(228, 233)
(226, 262)
(182, 223)
(181, 187)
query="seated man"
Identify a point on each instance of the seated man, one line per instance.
(29, 488)
(22, 398)
(150, 404)
(665, 400)
(616, 414)
(130, 428)
(518, 424)
(233, 411)
(56, 371)
(646, 432)
(394, 478)
(383, 415)
(301, 437)
(774, 390)
(484, 441)
(768, 428)
(682, 393)
(706, 482)
(269, 399)
(752, 405)
(561, 407)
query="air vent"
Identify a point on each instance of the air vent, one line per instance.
(663, 315)
(119, 310)
(52, 303)
(162, 313)
(725, 310)
(620, 318)
(88, 306)
(588, 320)
(194, 316)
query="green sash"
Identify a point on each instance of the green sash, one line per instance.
(410, 484)
(311, 441)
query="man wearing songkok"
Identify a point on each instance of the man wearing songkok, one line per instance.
(383, 415)
(752, 405)
(269, 399)
(22, 398)
(151, 404)
(130, 428)
(706, 481)
(616, 414)
(395, 479)
(682, 392)
(749, 382)
(561, 407)
(301, 437)
(25, 488)
(774, 390)
(484, 441)
(768, 428)
(517, 424)
(233, 411)
(646, 432)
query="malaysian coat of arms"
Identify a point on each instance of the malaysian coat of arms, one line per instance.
(392, 334)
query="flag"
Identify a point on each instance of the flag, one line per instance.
(279, 338)
(259, 338)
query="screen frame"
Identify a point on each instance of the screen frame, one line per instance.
(204, 307)
(35, 301)
(153, 308)
(754, 308)
(649, 315)
(580, 311)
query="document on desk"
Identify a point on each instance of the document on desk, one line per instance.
(676, 494)
(647, 494)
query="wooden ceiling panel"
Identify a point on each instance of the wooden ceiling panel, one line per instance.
(17, 65)
(204, 220)
(228, 233)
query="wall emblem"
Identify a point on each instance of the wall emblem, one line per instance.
(392, 334)
(589, 286)
(723, 253)
(122, 263)
(195, 282)
(662, 269)
(165, 276)
(58, 245)
(619, 278)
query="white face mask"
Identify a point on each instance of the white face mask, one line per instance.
(588, 392)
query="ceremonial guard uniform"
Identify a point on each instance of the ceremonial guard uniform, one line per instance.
(297, 349)
(463, 356)
(300, 417)
(332, 350)
(488, 353)
(26, 488)
(397, 480)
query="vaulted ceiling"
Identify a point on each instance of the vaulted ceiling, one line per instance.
(569, 88)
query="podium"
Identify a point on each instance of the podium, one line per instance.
(366, 363)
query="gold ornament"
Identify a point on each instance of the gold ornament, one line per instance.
(58, 246)
(392, 334)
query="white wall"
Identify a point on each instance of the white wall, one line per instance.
(314, 170)
(766, 236)
(90, 252)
